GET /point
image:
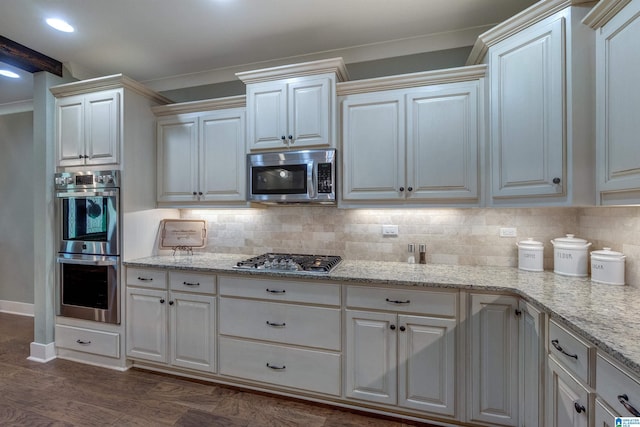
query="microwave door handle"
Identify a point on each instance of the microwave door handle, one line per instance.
(62, 260)
(311, 180)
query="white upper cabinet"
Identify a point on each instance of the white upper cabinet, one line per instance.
(201, 155)
(617, 99)
(541, 97)
(292, 106)
(420, 144)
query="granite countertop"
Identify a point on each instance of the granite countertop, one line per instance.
(605, 315)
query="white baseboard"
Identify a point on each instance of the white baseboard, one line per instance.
(20, 308)
(42, 353)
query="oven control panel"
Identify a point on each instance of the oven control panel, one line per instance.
(87, 180)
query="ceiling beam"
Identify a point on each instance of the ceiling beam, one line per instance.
(27, 59)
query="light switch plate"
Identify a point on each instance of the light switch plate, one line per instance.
(508, 232)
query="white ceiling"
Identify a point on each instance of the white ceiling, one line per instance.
(170, 44)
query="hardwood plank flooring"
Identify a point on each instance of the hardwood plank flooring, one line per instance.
(63, 393)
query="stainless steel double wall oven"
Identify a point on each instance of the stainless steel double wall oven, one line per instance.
(88, 213)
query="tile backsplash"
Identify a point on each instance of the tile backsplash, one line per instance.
(452, 236)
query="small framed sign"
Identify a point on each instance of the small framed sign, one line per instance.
(183, 234)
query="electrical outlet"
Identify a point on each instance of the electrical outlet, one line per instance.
(390, 230)
(507, 232)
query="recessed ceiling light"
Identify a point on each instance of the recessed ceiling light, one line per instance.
(60, 25)
(10, 74)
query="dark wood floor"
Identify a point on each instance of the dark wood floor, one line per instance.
(63, 393)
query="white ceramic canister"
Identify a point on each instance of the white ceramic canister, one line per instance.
(570, 256)
(607, 266)
(530, 255)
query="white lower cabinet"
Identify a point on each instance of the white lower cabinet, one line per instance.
(618, 391)
(493, 366)
(88, 340)
(168, 326)
(568, 399)
(393, 358)
(532, 363)
(603, 415)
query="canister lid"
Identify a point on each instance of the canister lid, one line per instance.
(529, 244)
(570, 241)
(606, 254)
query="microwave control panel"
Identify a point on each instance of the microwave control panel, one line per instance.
(325, 178)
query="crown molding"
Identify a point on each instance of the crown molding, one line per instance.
(517, 23)
(115, 81)
(239, 101)
(603, 12)
(16, 107)
(332, 65)
(402, 81)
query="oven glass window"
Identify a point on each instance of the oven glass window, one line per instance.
(85, 218)
(287, 179)
(85, 285)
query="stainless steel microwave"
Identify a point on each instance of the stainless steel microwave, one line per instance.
(301, 176)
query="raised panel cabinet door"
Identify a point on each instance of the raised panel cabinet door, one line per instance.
(603, 415)
(371, 356)
(568, 401)
(373, 147)
(70, 131)
(178, 159)
(192, 331)
(532, 361)
(427, 364)
(492, 391)
(527, 113)
(309, 112)
(147, 324)
(222, 161)
(618, 96)
(443, 142)
(102, 127)
(266, 116)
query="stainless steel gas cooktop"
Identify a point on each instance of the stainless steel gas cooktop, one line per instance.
(318, 264)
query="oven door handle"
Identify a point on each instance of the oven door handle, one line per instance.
(101, 261)
(70, 194)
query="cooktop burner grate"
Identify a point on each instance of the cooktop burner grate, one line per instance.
(291, 262)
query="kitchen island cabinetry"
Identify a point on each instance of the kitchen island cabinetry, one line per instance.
(172, 323)
(292, 106)
(401, 348)
(285, 333)
(617, 25)
(201, 153)
(540, 124)
(419, 144)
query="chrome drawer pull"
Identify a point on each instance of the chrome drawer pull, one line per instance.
(81, 342)
(275, 367)
(276, 325)
(145, 279)
(624, 399)
(561, 350)
(397, 301)
(276, 291)
(190, 284)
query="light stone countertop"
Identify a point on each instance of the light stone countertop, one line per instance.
(606, 315)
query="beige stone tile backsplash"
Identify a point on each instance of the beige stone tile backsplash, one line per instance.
(452, 236)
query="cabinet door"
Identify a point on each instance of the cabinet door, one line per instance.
(267, 116)
(493, 359)
(373, 147)
(309, 112)
(443, 143)
(147, 324)
(603, 415)
(178, 159)
(527, 113)
(70, 130)
(222, 161)
(102, 128)
(568, 404)
(427, 362)
(192, 331)
(371, 356)
(532, 361)
(618, 95)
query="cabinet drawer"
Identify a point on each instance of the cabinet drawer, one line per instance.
(573, 353)
(281, 290)
(88, 340)
(443, 304)
(303, 369)
(616, 387)
(282, 323)
(149, 278)
(192, 282)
